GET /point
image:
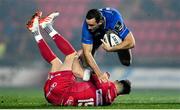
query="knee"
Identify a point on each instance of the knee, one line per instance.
(56, 61)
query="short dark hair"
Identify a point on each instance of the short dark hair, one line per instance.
(94, 13)
(126, 84)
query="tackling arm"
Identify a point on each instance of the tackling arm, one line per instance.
(87, 48)
(91, 61)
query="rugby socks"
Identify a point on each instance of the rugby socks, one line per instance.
(50, 30)
(45, 51)
(37, 35)
(64, 46)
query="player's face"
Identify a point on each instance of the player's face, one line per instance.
(118, 87)
(92, 24)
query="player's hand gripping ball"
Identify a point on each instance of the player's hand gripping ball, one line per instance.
(111, 38)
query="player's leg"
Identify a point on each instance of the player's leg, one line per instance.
(67, 49)
(47, 54)
(64, 46)
(70, 63)
(125, 56)
(96, 44)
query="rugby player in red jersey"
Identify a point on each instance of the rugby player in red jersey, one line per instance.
(61, 87)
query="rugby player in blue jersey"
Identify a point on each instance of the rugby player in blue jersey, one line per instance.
(96, 24)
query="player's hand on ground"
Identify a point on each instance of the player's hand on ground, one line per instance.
(105, 46)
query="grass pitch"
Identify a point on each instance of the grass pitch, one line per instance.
(138, 99)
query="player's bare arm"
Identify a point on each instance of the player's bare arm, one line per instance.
(91, 61)
(128, 43)
(77, 69)
(87, 48)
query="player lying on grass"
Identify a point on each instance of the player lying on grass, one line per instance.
(61, 87)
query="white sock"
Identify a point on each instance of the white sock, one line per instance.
(38, 38)
(37, 35)
(50, 30)
(53, 33)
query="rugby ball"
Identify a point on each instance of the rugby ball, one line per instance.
(112, 39)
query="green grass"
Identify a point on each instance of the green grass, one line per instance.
(138, 99)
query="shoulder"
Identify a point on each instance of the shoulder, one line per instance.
(108, 10)
(111, 14)
(85, 31)
(84, 25)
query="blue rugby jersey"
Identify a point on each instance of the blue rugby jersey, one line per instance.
(113, 21)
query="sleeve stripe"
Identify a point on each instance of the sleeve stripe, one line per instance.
(87, 41)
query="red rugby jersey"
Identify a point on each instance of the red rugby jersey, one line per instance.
(90, 93)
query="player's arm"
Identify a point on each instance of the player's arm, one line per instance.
(77, 69)
(117, 24)
(96, 80)
(87, 45)
(127, 43)
(87, 48)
